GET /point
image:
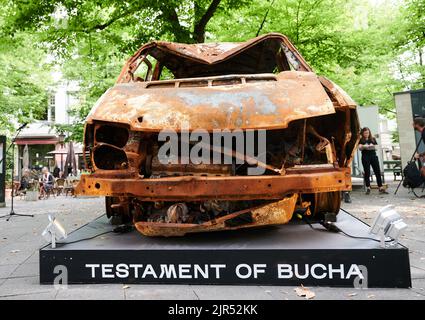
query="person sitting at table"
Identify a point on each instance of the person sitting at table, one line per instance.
(56, 172)
(47, 182)
(25, 181)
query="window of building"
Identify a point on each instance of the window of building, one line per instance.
(51, 108)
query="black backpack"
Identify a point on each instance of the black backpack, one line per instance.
(412, 176)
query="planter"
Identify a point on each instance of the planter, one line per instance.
(31, 195)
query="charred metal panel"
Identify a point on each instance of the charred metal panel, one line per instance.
(266, 104)
(271, 214)
(229, 188)
(257, 55)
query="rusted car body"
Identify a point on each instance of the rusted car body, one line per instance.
(264, 84)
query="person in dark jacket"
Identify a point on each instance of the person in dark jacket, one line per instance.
(419, 125)
(367, 146)
(56, 172)
(25, 181)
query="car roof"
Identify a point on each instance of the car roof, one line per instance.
(257, 55)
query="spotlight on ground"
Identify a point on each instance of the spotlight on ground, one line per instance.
(388, 223)
(54, 231)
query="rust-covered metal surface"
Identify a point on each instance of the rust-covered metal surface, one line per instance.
(310, 124)
(186, 60)
(270, 103)
(275, 213)
(196, 188)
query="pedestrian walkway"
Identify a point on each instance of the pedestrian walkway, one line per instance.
(20, 239)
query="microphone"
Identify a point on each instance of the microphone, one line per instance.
(23, 126)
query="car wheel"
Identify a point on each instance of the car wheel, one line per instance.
(327, 202)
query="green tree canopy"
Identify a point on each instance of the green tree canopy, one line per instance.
(24, 81)
(370, 48)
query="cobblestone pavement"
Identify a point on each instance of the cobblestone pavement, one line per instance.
(21, 238)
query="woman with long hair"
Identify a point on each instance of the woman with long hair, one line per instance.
(367, 146)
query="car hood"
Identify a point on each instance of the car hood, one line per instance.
(254, 104)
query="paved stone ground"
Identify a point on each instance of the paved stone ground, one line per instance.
(21, 238)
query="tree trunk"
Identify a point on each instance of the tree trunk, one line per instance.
(200, 25)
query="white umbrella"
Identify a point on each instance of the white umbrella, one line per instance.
(70, 162)
(26, 158)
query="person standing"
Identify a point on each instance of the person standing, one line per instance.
(419, 125)
(367, 146)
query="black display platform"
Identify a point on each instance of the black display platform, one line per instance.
(292, 254)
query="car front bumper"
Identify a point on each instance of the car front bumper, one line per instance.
(198, 188)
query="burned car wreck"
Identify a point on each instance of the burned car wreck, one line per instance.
(304, 127)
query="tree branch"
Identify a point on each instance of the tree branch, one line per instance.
(199, 29)
(115, 17)
(264, 19)
(103, 26)
(170, 15)
(297, 29)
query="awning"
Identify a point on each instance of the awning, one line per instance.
(36, 141)
(65, 151)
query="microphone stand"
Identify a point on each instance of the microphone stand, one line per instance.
(12, 212)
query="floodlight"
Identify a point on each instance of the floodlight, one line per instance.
(395, 229)
(54, 231)
(388, 223)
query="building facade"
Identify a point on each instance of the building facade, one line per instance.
(39, 144)
(409, 104)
